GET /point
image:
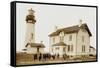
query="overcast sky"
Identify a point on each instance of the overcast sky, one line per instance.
(49, 16)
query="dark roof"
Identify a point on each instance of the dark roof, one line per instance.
(35, 45)
(92, 47)
(59, 44)
(71, 29)
(24, 49)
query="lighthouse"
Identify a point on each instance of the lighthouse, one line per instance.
(30, 27)
(31, 47)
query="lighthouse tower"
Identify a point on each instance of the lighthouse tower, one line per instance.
(30, 28)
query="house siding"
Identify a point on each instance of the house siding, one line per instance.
(86, 42)
(33, 50)
(72, 42)
(66, 41)
(57, 40)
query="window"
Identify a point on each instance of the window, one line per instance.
(53, 40)
(82, 38)
(64, 49)
(61, 39)
(83, 48)
(70, 48)
(89, 50)
(61, 36)
(70, 38)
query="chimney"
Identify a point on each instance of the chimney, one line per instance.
(56, 28)
(80, 22)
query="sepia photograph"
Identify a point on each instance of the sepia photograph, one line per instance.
(53, 34)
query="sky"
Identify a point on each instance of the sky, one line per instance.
(49, 16)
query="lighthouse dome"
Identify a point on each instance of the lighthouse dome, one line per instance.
(30, 18)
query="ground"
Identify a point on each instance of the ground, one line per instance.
(27, 59)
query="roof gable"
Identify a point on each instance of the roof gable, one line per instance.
(60, 44)
(84, 26)
(35, 45)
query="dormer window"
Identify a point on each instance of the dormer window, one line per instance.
(61, 36)
(61, 39)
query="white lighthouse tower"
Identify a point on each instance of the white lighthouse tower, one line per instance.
(31, 47)
(30, 29)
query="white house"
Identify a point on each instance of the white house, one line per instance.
(72, 41)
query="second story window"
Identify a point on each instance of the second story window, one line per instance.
(61, 35)
(83, 48)
(70, 38)
(61, 39)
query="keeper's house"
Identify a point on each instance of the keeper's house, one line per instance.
(72, 41)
